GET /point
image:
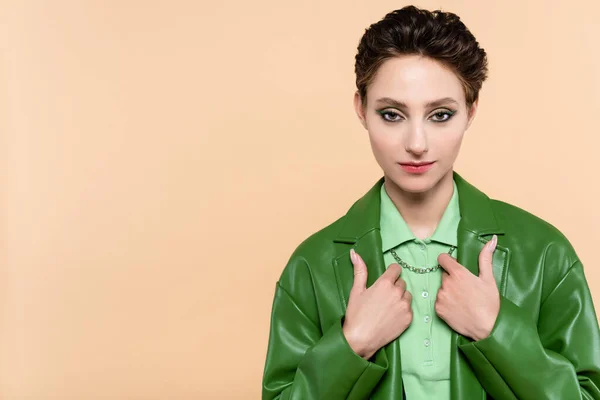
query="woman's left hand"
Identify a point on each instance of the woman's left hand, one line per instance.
(468, 303)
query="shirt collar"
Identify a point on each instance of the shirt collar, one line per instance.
(395, 231)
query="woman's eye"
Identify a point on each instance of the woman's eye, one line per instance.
(443, 116)
(390, 116)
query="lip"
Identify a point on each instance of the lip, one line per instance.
(417, 167)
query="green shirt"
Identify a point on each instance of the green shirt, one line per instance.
(425, 345)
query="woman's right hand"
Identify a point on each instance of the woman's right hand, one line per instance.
(379, 314)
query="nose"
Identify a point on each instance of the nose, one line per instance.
(416, 140)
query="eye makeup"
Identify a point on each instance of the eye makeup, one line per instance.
(391, 116)
(386, 113)
(449, 113)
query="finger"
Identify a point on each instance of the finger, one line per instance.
(407, 295)
(486, 270)
(438, 308)
(360, 273)
(448, 264)
(445, 275)
(392, 273)
(401, 283)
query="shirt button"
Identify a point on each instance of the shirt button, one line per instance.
(425, 294)
(426, 342)
(427, 319)
(422, 247)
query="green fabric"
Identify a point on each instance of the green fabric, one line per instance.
(425, 345)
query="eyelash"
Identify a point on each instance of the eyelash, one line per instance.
(445, 112)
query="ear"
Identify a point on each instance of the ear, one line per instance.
(359, 109)
(472, 112)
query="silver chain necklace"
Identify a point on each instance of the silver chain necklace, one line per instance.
(415, 269)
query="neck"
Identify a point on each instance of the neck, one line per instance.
(422, 211)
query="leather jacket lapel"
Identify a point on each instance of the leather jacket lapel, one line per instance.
(477, 225)
(369, 248)
(361, 231)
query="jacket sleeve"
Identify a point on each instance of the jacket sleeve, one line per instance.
(304, 363)
(559, 358)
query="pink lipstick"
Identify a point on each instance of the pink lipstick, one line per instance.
(417, 168)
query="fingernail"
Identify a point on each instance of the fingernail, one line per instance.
(494, 243)
(353, 255)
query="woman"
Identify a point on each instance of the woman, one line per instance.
(427, 288)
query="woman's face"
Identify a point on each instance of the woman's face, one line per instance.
(416, 114)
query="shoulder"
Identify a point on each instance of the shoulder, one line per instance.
(317, 248)
(312, 259)
(528, 233)
(519, 221)
(307, 271)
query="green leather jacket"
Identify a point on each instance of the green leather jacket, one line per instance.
(545, 343)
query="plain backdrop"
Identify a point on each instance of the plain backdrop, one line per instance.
(161, 160)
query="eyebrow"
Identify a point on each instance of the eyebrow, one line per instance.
(399, 104)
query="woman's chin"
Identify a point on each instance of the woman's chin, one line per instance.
(414, 184)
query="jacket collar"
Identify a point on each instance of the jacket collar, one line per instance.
(477, 214)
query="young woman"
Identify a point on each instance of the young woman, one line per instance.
(427, 288)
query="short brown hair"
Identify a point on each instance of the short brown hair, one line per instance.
(435, 34)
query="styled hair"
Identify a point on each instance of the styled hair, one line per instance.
(435, 34)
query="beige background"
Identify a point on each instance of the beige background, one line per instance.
(162, 159)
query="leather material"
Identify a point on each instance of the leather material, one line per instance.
(545, 343)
